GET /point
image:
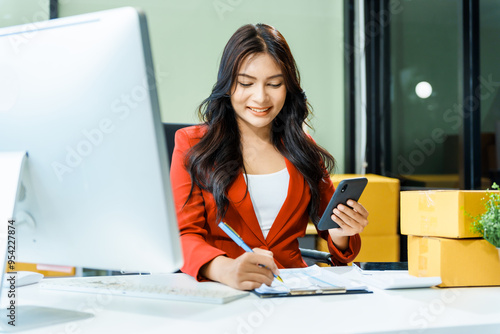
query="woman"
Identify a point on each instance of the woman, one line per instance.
(251, 165)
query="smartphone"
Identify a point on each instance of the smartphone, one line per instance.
(347, 189)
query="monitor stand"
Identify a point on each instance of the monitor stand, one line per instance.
(14, 317)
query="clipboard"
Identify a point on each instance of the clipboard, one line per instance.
(318, 293)
(310, 281)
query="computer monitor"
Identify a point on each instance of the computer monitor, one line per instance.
(78, 95)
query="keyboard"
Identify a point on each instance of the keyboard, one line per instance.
(178, 287)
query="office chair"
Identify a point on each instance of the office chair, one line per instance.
(310, 256)
(170, 129)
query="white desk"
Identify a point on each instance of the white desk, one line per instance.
(457, 310)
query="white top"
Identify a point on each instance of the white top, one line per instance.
(268, 193)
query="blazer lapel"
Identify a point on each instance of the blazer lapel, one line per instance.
(294, 196)
(244, 207)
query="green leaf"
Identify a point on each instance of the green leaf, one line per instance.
(487, 224)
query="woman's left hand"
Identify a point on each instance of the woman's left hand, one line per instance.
(352, 220)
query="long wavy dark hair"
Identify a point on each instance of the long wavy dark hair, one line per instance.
(216, 161)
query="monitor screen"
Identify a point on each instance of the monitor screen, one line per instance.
(78, 94)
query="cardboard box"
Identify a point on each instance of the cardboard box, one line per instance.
(20, 266)
(459, 262)
(379, 248)
(440, 213)
(381, 199)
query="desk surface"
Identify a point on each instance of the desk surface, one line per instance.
(451, 310)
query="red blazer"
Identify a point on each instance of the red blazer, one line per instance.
(202, 240)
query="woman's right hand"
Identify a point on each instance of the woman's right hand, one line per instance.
(246, 272)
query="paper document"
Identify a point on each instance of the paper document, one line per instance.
(304, 281)
(393, 279)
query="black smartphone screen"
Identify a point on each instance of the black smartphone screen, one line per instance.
(347, 189)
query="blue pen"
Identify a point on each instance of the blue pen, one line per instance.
(236, 238)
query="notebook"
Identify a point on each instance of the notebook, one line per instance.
(308, 281)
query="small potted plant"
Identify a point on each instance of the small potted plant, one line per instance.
(488, 223)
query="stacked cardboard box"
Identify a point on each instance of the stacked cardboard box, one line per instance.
(440, 241)
(380, 239)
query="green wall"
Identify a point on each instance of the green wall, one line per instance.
(14, 12)
(188, 37)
